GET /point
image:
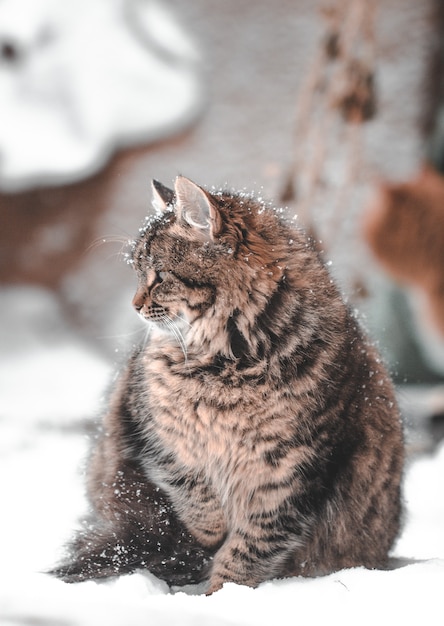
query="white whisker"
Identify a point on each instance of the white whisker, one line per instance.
(177, 334)
(147, 330)
(182, 319)
(137, 331)
(125, 243)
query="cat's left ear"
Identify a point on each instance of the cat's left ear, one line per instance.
(194, 207)
(163, 198)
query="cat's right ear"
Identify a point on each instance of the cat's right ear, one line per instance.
(163, 198)
(194, 207)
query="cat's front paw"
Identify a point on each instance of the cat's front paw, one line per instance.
(214, 585)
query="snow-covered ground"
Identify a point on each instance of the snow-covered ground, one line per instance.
(51, 386)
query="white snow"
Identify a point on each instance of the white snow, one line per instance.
(49, 383)
(80, 78)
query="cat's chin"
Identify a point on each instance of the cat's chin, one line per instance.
(167, 327)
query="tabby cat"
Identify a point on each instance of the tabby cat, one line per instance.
(256, 434)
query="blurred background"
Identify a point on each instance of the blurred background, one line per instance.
(333, 109)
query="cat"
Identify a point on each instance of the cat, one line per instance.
(255, 434)
(404, 228)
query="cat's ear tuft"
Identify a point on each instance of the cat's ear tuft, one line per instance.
(194, 207)
(163, 198)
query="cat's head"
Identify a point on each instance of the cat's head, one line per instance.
(204, 257)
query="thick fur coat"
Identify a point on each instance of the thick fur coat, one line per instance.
(256, 433)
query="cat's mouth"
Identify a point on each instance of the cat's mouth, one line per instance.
(155, 313)
(162, 318)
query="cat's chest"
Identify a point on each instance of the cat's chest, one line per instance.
(196, 432)
(201, 424)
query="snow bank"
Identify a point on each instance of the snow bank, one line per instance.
(49, 383)
(351, 597)
(80, 78)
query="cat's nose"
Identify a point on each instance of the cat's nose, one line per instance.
(139, 300)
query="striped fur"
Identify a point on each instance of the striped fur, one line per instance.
(258, 412)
